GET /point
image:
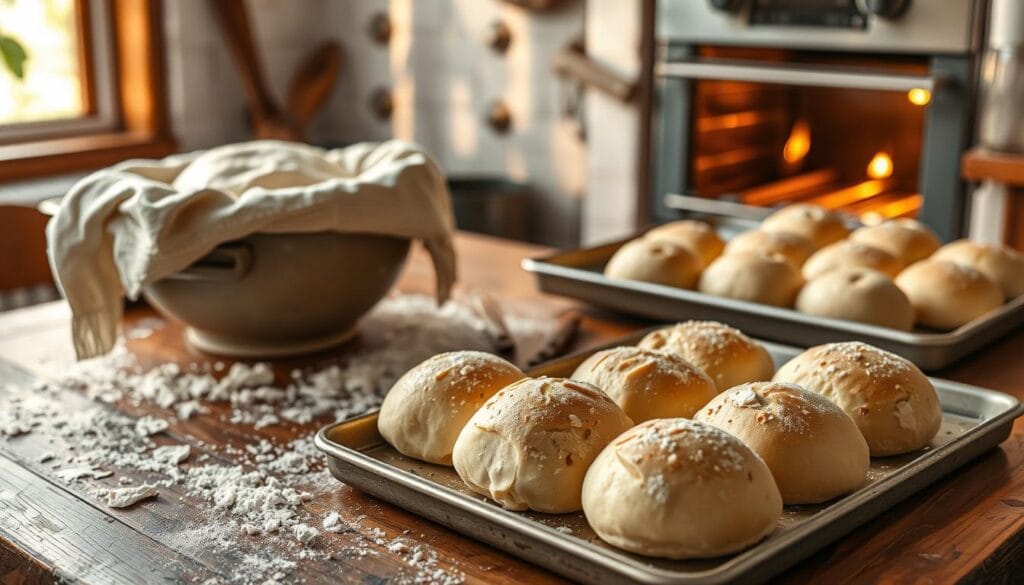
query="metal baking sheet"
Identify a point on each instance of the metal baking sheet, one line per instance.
(578, 274)
(974, 420)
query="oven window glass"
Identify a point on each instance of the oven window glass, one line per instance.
(853, 150)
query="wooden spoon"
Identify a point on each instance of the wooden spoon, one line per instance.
(313, 83)
(268, 120)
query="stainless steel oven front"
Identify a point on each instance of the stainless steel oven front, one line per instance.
(864, 106)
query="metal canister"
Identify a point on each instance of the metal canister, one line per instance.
(1001, 107)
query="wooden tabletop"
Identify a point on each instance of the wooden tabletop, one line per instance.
(967, 527)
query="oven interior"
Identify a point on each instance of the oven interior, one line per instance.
(853, 150)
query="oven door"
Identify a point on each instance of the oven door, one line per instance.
(874, 136)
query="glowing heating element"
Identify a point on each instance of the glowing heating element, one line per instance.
(798, 144)
(880, 166)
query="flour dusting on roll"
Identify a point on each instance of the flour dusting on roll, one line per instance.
(680, 489)
(648, 384)
(814, 450)
(530, 445)
(425, 410)
(724, 353)
(894, 405)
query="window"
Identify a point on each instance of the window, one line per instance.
(65, 85)
(90, 90)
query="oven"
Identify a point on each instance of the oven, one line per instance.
(860, 106)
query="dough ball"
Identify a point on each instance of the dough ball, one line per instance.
(1002, 265)
(845, 253)
(648, 384)
(947, 295)
(906, 239)
(814, 450)
(680, 489)
(857, 294)
(724, 353)
(696, 236)
(427, 407)
(656, 261)
(820, 226)
(892, 402)
(794, 247)
(768, 279)
(530, 445)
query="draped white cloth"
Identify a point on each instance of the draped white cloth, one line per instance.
(132, 224)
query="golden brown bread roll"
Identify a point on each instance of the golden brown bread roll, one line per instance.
(696, 236)
(820, 226)
(1002, 265)
(846, 253)
(530, 445)
(906, 239)
(894, 405)
(648, 384)
(427, 407)
(794, 247)
(656, 261)
(857, 294)
(947, 295)
(768, 279)
(814, 450)
(680, 489)
(724, 353)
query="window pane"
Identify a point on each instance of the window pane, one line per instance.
(52, 88)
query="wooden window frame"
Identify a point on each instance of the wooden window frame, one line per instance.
(141, 127)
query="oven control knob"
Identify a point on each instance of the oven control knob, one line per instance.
(725, 5)
(883, 8)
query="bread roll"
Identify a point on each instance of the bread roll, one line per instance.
(530, 445)
(750, 276)
(814, 450)
(846, 253)
(696, 236)
(794, 247)
(892, 402)
(817, 224)
(906, 239)
(680, 489)
(648, 384)
(946, 295)
(725, 354)
(857, 294)
(1002, 265)
(427, 407)
(655, 261)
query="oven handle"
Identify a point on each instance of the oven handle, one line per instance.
(795, 74)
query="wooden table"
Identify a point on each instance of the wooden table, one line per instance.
(966, 527)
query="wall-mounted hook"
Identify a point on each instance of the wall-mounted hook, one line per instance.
(499, 117)
(382, 104)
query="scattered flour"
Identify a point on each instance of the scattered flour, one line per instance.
(124, 497)
(263, 497)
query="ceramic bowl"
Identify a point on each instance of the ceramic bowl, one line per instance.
(271, 295)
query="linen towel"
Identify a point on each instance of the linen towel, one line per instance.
(139, 221)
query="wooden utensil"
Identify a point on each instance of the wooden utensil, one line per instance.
(309, 88)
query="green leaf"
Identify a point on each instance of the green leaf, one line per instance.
(14, 56)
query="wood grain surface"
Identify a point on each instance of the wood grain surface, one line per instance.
(965, 527)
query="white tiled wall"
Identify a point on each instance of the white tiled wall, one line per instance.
(442, 74)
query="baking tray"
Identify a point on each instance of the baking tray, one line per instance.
(578, 274)
(974, 420)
